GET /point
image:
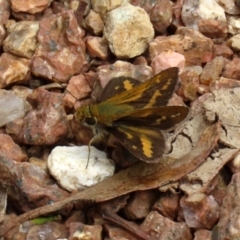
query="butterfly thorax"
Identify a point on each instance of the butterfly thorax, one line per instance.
(106, 112)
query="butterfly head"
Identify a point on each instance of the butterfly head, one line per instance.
(84, 116)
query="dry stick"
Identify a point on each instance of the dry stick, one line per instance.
(141, 176)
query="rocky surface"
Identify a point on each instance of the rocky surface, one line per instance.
(82, 45)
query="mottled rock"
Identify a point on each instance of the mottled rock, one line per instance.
(104, 6)
(97, 47)
(128, 31)
(61, 50)
(11, 107)
(77, 88)
(211, 10)
(212, 70)
(59, 7)
(234, 25)
(3, 204)
(234, 43)
(39, 163)
(213, 28)
(11, 150)
(234, 164)
(45, 124)
(51, 230)
(140, 204)
(177, 19)
(167, 205)
(167, 59)
(222, 50)
(94, 23)
(193, 11)
(72, 169)
(161, 15)
(81, 8)
(189, 85)
(30, 6)
(5, 11)
(2, 33)
(218, 188)
(23, 16)
(160, 227)
(16, 235)
(13, 69)
(28, 185)
(200, 211)
(195, 47)
(195, 68)
(81, 231)
(22, 38)
(4, 16)
(202, 234)
(229, 6)
(228, 226)
(232, 70)
(23, 93)
(140, 60)
(76, 216)
(121, 68)
(117, 233)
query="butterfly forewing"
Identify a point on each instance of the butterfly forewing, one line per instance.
(154, 92)
(118, 85)
(145, 143)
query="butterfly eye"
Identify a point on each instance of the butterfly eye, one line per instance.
(90, 121)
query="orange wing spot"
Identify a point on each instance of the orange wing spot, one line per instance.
(166, 85)
(159, 120)
(146, 146)
(153, 99)
(175, 115)
(127, 85)
(128, 135)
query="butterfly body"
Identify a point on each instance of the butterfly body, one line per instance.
(135, 113)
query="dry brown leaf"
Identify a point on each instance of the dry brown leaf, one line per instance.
(199, 180)
(223, 102)
(141, 176)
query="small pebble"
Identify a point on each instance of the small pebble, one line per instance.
(70, 166)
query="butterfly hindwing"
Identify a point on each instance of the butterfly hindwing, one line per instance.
(159, 117)
(145, 143)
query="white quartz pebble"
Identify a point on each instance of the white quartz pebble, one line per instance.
(68, 166)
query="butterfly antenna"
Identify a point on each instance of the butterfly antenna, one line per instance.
(89, 151)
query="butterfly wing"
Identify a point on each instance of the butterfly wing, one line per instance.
(154, 92)
(117, 85)
(159, 117)
(140, 132)
(145, 143)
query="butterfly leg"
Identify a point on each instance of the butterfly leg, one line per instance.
(100, 136)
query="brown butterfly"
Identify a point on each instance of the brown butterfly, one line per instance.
(135, 113)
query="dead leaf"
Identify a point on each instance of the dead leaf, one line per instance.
(141, 176)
